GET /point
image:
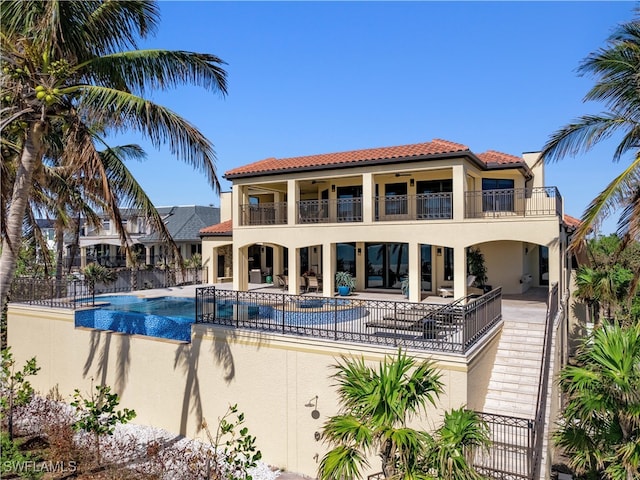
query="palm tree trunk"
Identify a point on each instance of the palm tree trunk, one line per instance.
(31, 155)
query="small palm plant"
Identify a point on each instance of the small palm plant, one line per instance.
(94, 273)
(600, 426)
(375, 408)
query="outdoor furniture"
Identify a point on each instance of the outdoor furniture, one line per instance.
(283, 281)
(410, 321)
(312, 283)
(446, 291)
(303, 284)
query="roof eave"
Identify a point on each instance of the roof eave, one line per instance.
(360, 163)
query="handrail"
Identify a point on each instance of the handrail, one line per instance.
(543, 380)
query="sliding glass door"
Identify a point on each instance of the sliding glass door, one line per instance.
(387, 264)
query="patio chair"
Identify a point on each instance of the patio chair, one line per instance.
(283, 281)
(473, 290)
(303, 284)
(312, 283)
(418, 322)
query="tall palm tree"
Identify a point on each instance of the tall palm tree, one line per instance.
(600, 426)
(617, 71)
(65, 70)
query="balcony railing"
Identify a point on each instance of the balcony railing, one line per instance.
(519, 202)
(539, 201)
(264, 214)
(330, 211)
(428, 206)
(454, 327)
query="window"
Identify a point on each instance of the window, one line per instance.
(106, 225)
(395, 199)
(346, 258)
(349, 204)
(497, 195)
(431, 199)
(448, 264)
(387, 264)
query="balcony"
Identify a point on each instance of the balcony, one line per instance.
(342, 210)
(264, 214)
(518, 202)
(428, 206)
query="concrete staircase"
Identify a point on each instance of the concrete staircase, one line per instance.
(513, 387)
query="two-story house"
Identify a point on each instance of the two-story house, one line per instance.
(385, 214)
(103, 245)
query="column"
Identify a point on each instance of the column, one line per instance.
(415, 273)
(240, 270)
(213, 266)
(368, 191)
(328, 269)
(294, 271)
(293, 196)
(458, 192)
(459, 271)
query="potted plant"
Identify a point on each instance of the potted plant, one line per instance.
(404, 286)
(476, 266)
(345, 283)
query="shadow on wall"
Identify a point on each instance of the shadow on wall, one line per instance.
(187, 357)
(578, 326)
(101, 364)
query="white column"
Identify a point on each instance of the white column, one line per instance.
(213, 266)
(294, 271)
(240, 269)
(328, 269)
(415, 294)
(459, 271)
(458, 192)
(293, 196)
(368, 191)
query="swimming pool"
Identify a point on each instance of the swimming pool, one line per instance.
(171, 317)
(165, 317)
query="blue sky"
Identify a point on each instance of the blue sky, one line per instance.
(308, 78)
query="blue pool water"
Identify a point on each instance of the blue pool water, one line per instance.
(171, 317)
(166, 317)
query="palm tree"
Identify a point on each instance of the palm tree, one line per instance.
(64, 70)
(376, 406)
(600, 427)
(461, 433)
(616, 68)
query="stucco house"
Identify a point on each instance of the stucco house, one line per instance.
(103, 245)
(387, 214)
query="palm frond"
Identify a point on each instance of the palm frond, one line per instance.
(343, 462)
(145, 70)
(159, 124)
(582, 134)
(615, 195)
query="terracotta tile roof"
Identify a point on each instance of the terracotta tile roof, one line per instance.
(572, 221)
(491, 157)
(271, 165)
(223, 228)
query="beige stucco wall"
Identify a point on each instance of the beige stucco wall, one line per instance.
(274, 379)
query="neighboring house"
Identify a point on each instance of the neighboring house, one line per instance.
(385, 214)
(103, 245)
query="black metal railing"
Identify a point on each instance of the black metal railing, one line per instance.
(264, 214)
(539, 201)
(340, 210)
(516, 443)
(543, 381)
(428, 206)
(510, 454)
(452, 327)
(75, 291)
